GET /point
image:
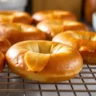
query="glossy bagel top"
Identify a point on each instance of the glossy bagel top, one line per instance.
(44, 61)
(53, 14)
(15, 16)
(16, 32)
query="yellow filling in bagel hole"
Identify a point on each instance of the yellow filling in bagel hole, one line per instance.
(36, 61)
(37, 57)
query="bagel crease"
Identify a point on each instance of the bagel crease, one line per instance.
(16, 32)
(44, 61)
(15, 16)
(54, 27)
(84, 42)
(2, 59)
(53, 14)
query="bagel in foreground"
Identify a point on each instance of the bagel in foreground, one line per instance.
(53, 14)
(2, 59)
(44, 61)
(16, 32)
(84, 42)
(53, 27)
(15, 16)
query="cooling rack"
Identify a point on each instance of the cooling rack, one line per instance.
(82, 85)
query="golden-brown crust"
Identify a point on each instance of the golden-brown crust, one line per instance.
(16, 32)
(53, 14)
(4, 44)
(2, 59)
(15, 16)
(84, 42)
(63, 62)
(53, 27)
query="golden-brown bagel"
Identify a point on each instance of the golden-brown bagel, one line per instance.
(4, 44)
(15, 16)
(53, 27)
(53, 14)
(44, 61)
(84, 42)
(2, 59)
(16, 32)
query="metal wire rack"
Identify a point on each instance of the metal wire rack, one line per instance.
(84, 84)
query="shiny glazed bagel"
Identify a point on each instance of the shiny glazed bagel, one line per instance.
(53, 27)
(4, 44)
(2, 59)
(16, 32)
(15, 16)
(44, 61)
(53, 14)
(84, 42)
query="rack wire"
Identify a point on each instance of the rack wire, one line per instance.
(84, 84)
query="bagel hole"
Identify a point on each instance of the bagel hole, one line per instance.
(44, 48)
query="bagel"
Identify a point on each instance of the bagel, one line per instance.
(4, 45)
(2, 59)
(53, 27)
(53, 14)
(84, 42)
(15, 16)
(16, 32)
(44, 61)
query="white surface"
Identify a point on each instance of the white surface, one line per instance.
(13, 4)
(94, 21)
